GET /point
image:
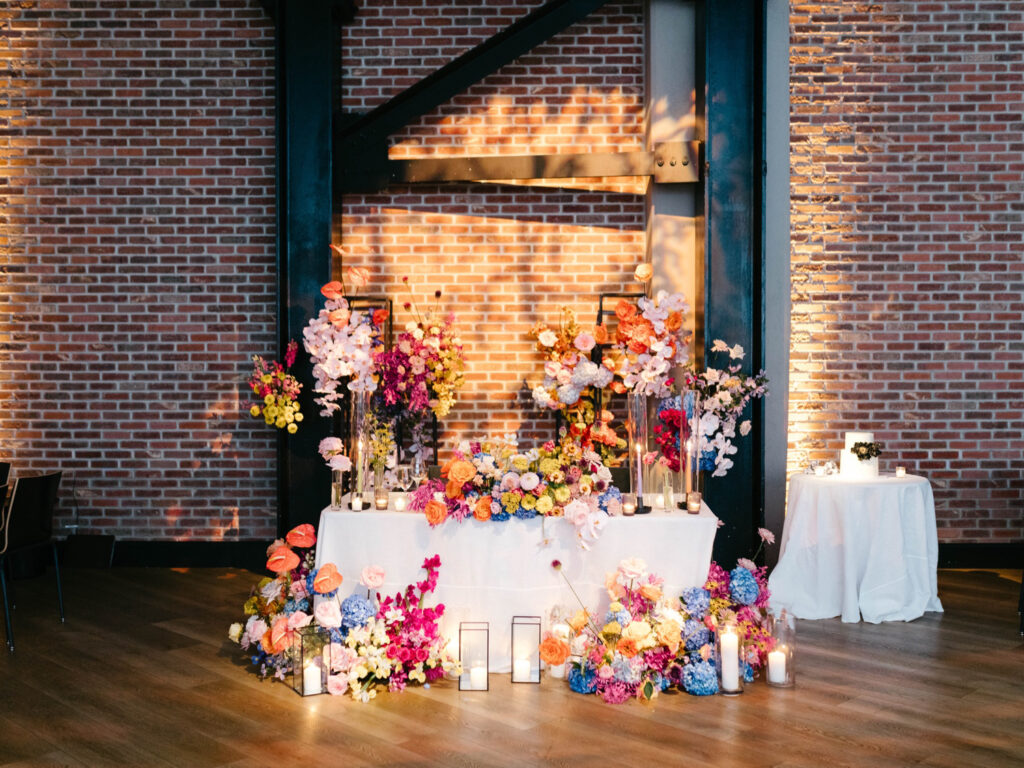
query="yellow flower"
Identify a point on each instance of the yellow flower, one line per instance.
(548, 466)
(615, 607)
(521, 463)
(289, 417)
(299, 416)
(611, 628)
(293, 428)
(544, 505)
(255, 410)
(265, 378)
(561, 494)
(529, 501)
(556, 477)
(280, 423)
(586, 484)
(639, 632)
(268, 400)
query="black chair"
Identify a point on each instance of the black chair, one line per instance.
(28, 524)
(5, 473)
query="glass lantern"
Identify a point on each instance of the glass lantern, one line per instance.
(781, 671)
(526, 649)
(689, 454)
(359, 451)
(636, 427)
(474, 655)
(730, 655)
(311, 651)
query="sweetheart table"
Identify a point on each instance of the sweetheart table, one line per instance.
(493, 571)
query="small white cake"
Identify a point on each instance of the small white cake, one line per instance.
(853, 468)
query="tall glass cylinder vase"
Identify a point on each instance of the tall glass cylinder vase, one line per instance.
(359, 450)
(337, 488)
(690, 452)
(781, 669)
(380, 488)
(636, 427)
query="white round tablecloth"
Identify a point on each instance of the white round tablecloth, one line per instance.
(858, 548)
(494, 571)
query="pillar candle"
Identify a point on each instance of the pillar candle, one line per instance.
(478, 677)
(521, 671)
(311, 679)
(730, 643)
(401, 503)
(777, 667)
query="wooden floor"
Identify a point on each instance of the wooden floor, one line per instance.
(142, 674)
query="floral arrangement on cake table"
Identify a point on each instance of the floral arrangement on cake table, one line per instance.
(646, 641)
(342, 344)
(277, 390)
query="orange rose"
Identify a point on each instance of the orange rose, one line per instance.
(627, 647)
(301, 536)
(651, 592)
(482, 510)
(283, 559)
(624, 310)
(453, 490)
(327, 579)
(461, 472)
(446, 468)
(669, 635)
(554, 651)
(436, 512)
(600, 334)
(333, 290)
(674, 321)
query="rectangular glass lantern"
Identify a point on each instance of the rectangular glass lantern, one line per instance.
(730, 655)
(781, 671)
(526, 649)
(311, 650)
(474, 655)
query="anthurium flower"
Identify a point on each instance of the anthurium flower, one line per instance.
(333, 290)
(327, 579)
(358, 276)
(283, 559)
(301, 536)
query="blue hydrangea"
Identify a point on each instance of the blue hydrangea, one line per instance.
(525, 514)
(700, 679)
(697, 602)
(622, 617)
(582, 680)
(604, 498)
(356, 610)
(296, 605)
(695, 635)
(743, 586)
(624, 671)
(499, 517)
(748, 673)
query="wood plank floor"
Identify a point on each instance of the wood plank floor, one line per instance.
(142, 675)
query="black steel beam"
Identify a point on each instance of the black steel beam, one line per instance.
(306, 43)
(537, 26)
(734, 210)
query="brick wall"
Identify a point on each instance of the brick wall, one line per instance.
(137, 259)
(908, 289)
(504, 256)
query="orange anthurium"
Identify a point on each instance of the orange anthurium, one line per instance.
(380, 316)
(327, 579)
(358, 276)
(337, 250)
(281, 635)
(333, 290)
(283, 559)
(302, 536)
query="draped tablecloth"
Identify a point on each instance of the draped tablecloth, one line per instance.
(858, 548)
(492, 571)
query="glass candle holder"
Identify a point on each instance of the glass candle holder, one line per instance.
(337, 488)
(781, 671)
(730, 655)
(311, 649)
(526, 649)
(474, 655)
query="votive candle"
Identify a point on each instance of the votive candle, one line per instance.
(628, 508)
(401, 503)
(777, 667)
(901, 471)
(357, 502)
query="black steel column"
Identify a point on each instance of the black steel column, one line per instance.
(734, 210)
(307, 40)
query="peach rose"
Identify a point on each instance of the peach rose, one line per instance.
(327, 579)
(643, 272)
(436, 512)
(282, 560)
(651, 592)
(674, 321)
(554, 651)
(624, 310)
(453, 490)
(482, 509)
(461, 472)
(601, 334)
(302, 536)
(372, 577)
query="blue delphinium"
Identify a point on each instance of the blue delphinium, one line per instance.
(582, 680)
(697, 602)
(356, 610)
(695, 635)
(743, 586)
(700, 679)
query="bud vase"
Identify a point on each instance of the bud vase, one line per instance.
(380, 488)
(359, 450)
(689, 456)
(636, 427)
(337, 488)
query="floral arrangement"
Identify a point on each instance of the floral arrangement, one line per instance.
(389, 646)
(721, 396)
(382, 442)
(342, 343)
(570, 376)
(332, 450)
(278, 390)
(649, 341)
(866, 451)
(648, 642)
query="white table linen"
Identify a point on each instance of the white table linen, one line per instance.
(493, 571)
(858, 548)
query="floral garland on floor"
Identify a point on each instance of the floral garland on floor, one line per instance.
(648, 642)
(386, 645)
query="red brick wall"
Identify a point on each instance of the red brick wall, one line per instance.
(907, 179)
(137, 259)
(505, 257)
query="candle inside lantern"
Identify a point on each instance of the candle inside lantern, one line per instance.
(901, 471)
(478, 677)
(311, 679)
(521, 671)
(730, 643)
(628, 508)
(401, 503)
(777, 667)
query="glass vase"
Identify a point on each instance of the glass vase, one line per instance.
(781, 671)
(380, 488)
(337, 488)
(690, 453)
(730, 655)
(359, 450)
(636, 428)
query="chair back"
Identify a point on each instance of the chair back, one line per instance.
(5, 472)
(30, 512)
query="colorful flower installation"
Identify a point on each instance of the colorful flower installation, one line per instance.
(278, 390)
(649, 342)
